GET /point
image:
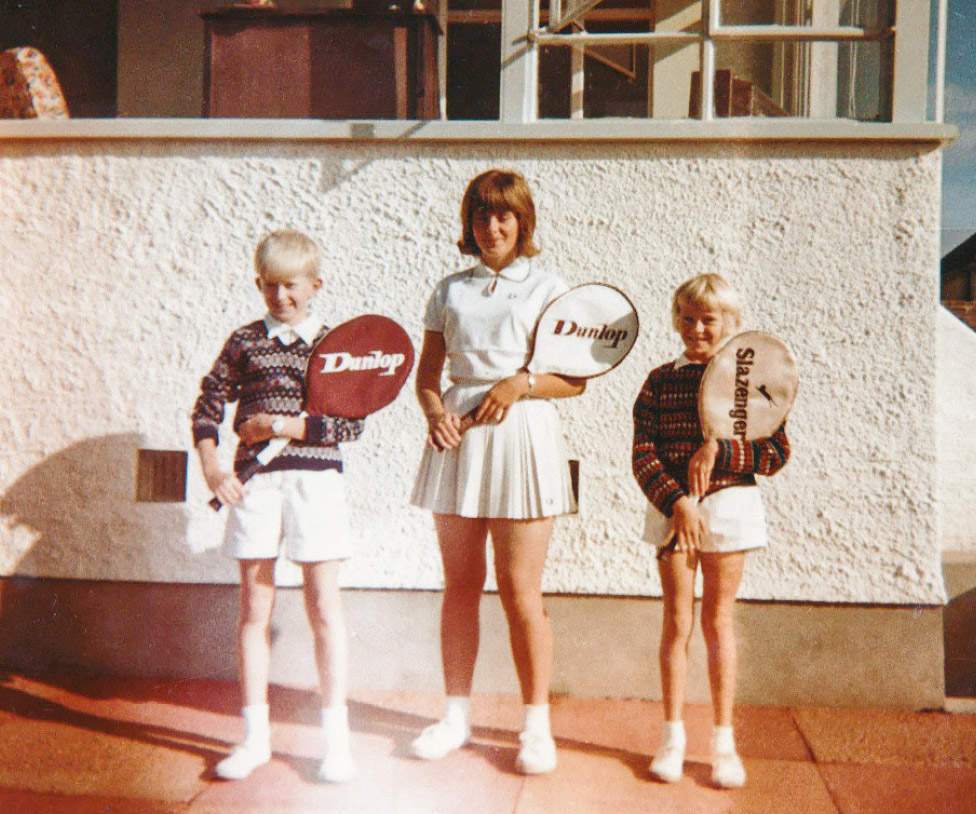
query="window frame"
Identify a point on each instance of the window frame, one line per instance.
(518, 125)
(522, 36)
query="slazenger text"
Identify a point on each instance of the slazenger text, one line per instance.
(374, 360)
(744, 358)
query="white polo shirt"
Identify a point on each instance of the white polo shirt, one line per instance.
(488, 319)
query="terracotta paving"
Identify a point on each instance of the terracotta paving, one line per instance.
(70, 745)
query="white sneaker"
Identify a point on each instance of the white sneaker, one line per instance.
(242, 761)
(440, 739)
(668, 764)
(728, 771)
(337, 767)
(537, 755)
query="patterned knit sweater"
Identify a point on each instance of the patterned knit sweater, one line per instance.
(266, 376)
(668, 432)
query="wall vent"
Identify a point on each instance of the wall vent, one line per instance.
(161, 476)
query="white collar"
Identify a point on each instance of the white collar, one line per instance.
(306, 330)
(516, 271)
(683, 360)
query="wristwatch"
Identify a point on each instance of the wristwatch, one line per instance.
(278, 425)
(531, 381)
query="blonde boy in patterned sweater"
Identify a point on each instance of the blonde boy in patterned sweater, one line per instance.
(705, 505)
(296, 504)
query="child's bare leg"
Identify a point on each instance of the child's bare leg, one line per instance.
(678, 586)
(254, 629)
(462, 544)
(323, 604)
(520, 555)
(722, 574)
(520, 548)
(253, 661)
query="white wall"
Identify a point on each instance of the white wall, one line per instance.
(956, 432)
(126, 263)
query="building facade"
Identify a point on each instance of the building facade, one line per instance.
(128, 249)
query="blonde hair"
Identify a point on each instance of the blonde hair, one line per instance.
(497, 191)
(710, 291)
(286, 253)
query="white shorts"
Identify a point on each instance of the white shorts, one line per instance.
(301, 513)
(735, 516)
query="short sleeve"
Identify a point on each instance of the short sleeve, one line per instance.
(434, 312)
(557, 287)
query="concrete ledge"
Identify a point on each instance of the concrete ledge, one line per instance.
(790, 654)
(635, 130)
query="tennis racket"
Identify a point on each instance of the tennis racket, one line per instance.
(583, 333)
(356, 369)
(746, 393)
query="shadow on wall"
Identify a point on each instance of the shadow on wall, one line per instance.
(74, 515)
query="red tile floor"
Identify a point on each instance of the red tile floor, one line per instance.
(90, 746)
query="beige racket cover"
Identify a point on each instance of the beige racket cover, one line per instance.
(748, 388)
(585, 332)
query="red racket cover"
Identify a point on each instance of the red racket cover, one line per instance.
(358, 367)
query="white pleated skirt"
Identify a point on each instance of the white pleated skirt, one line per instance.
(517, 469)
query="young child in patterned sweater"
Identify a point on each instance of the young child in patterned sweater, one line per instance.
(296, 503)
(705, 505)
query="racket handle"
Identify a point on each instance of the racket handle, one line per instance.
(467, 422)
(667, 550)
(248, 471)
(258, 462)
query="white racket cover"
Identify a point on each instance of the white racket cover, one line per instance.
(585, 332)
(748, 388)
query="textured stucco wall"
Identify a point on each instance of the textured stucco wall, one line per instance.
(126, 263)
(956, 432)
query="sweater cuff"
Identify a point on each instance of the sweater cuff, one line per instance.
(203, 431)
(319, 430)
(667, 505)
(725, 455)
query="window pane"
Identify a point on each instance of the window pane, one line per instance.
(615, 79)
(862, 13)
(820, 80)
(474, 55)
(79, 40)
(864, 72)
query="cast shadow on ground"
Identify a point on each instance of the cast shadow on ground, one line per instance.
(31, 699)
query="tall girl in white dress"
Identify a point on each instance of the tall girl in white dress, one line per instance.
(507, 476)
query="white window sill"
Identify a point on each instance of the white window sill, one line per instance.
(552, 130)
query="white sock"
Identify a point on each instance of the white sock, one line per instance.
(723, 740)
(257, 725)
(674, 735)
(458, 710)
(537, 719)
(335, 725)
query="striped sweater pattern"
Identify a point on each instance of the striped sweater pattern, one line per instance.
(266, 376)
(668, 432)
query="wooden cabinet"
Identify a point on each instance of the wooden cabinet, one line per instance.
(330, 64)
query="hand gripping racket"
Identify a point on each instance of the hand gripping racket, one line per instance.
(356, 369)
(747, 391)
(583, 333)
